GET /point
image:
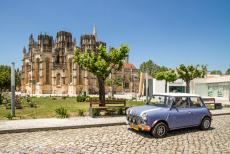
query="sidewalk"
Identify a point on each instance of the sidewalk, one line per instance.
(29, 125)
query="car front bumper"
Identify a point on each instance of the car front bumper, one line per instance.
(137, 124)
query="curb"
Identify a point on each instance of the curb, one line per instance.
(221, 114)
(58, 128)
(73, 127)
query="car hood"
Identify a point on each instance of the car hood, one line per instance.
(139, 110)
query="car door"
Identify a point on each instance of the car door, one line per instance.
(197, 110)
(180, 114)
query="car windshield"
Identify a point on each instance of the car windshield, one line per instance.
(159, 100)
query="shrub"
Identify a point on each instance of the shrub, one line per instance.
(54, 98)
(82, 98)
(95, 112)
(80, 112)
(62, 112)
(9, 116)
(32, 104)
(88, 98)
(63, 97)
(120, 111)
(1, 99)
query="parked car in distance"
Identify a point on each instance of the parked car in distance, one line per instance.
(169, 111)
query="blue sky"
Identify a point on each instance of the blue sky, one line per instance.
(169, 32)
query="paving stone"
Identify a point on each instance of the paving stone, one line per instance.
(119, 139)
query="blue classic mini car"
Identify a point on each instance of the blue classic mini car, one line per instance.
(169, 111)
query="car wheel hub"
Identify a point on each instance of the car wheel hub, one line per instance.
(206, 124)
(161, 130)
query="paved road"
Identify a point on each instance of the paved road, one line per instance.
(118, 139)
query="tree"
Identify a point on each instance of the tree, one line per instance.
(190, 72)
(5, 79)
(151, 68)
(101, 64)
(113, 83)
(228, 72)
(18, 78)
(168, 76)
(216, 72)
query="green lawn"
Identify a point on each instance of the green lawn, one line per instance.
(46, 108)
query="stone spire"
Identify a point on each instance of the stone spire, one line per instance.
(31, 39)
(94, 32)
(24, 50)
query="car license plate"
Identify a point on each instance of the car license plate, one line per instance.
(135, 127)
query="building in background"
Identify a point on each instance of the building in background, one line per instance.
(49, 68)
(211, 86)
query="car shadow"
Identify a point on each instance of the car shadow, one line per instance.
(172, 132)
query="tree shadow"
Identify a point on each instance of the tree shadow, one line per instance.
(172, 132)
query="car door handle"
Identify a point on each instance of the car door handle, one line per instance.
(189, 112)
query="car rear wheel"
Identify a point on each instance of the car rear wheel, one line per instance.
(206, 123)
(159, 130)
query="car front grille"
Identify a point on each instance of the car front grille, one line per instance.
(134, 119)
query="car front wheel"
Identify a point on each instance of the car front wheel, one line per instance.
(206, 123)
(159, 130)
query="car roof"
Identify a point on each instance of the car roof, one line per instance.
(178, 94)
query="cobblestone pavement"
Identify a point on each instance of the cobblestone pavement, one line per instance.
(118, 139)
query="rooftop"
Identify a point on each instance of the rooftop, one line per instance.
(178, 94)
(129, 66)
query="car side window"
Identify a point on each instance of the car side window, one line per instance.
(181, 102)
(195, 102)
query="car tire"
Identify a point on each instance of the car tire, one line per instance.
(159, 130)
(205, 123)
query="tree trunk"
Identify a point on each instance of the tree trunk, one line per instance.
(187, 86)
(101, 83)
(166, 86)
(112, 91)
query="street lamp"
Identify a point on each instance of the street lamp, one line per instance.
(13, 89)
(147, 85)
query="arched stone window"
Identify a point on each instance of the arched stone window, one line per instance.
(58, 80)
(37, 69)
(47, 63)
(27, 70)
(70, 70)
(57, 60)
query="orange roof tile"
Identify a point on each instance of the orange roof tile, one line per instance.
(129, 66)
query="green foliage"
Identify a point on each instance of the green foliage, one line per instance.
(120, 111)
(9, 116)
(82, 98)
(152, 68)
(216, 72)
(190, 72)
(101, 62)
(228, 72)
(80, 112)
(29, 102)
(62, 112)
(114, 82)
(18, 102)
(5, 77)
(32, 104)
(95, 112)
(168, 76)
(1, 99)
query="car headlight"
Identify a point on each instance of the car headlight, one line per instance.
(127, 111)
(144, 116)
